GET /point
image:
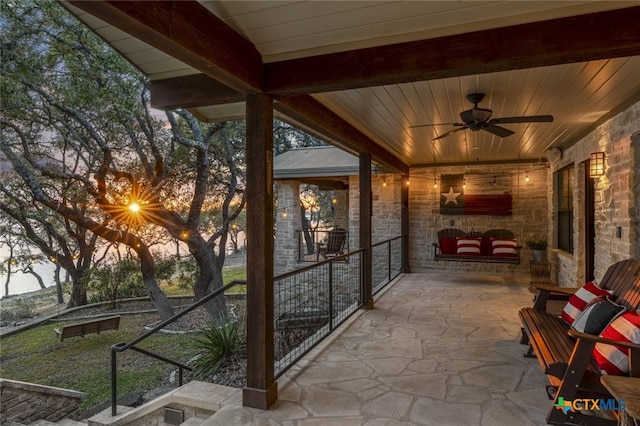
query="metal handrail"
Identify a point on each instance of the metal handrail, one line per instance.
(121, 347)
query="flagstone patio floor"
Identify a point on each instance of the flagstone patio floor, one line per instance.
(438, 349)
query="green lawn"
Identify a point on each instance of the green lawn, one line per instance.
(83, 363)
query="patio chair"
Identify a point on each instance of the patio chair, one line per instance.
(334, 245)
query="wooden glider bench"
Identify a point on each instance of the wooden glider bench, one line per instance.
(565, 355)
(88, 327)
(445, 248)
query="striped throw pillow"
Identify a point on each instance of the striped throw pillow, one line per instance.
(581, 299)
(615, 359)
(504, 247)
(468, 246)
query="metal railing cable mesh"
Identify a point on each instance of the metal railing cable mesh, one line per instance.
(311, 302)
(387, 262)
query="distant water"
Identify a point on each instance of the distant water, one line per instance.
(25, 283)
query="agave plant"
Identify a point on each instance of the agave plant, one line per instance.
(218, 346)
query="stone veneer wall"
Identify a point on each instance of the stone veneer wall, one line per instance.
(387, 208)
(341, 209)
(27, 402)
(617, 197)
(285, 244)
(530, 219)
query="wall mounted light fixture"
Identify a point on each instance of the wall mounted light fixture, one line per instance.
(596, 164)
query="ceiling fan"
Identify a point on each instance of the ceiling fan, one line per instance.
(480, 119)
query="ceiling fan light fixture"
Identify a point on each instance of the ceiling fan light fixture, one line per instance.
(476, 119)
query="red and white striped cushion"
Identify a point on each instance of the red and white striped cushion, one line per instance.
(615, 359)
(504, 247)
(581, 299)
(468, 245)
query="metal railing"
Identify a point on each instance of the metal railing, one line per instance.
(123, 346)
(309, 303)
(313, 301)
(307, 241)
(387, 262)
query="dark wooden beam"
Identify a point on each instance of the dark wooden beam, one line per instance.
(187, 31)
(316, 116)
(262, 389)
(581, 38)
(365, 229)
(191, 91)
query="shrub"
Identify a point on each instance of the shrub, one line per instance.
(18, 310)
(218, 346)
(112, 282)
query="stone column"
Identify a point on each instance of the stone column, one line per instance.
(340, 207)
(288, 220)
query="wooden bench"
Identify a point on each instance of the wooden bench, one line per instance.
(565, 355)
(88, 327)
(485, 257)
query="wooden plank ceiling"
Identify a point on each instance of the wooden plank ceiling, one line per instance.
(360, 74)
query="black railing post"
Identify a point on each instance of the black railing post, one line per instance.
(179, 376)
(389, 261)
(114, 392)
(330, 295)
(362, 263)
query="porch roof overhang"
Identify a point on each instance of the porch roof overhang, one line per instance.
(316, 162)
(361, 74)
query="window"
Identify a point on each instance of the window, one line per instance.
(564, 201)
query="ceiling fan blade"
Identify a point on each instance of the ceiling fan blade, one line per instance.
(437, 124)
(497, 130)
(444, 135)
(525, 119)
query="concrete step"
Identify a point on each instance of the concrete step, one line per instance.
(63, 422)
(193, 421)
(69, 422)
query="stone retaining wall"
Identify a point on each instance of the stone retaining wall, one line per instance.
(27, 402)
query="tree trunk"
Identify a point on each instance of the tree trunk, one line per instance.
(157, 296)
(29, 270)
(59, 284)
(6, 283)
(306, 226)
(78, 289)
(209, 279)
